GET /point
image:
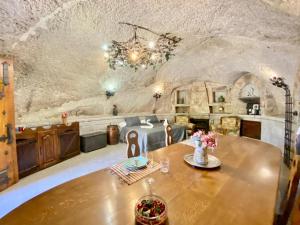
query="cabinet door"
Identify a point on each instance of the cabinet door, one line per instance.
(69, 144)
(251, 129)
(28, 158)
(8, 153)
(48, 149)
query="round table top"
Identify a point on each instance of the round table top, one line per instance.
(242, 191)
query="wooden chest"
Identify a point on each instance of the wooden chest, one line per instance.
(93, 141)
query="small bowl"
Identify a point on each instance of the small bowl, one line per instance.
(154, 220)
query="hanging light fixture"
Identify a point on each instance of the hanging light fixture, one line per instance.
(137, 52)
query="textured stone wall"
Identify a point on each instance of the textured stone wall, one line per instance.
(272, 100)
(59, 64)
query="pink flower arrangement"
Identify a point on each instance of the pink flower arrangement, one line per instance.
(207, 140)
(197, 135)
(64, 115)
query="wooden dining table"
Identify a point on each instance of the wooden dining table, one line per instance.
(242, 191)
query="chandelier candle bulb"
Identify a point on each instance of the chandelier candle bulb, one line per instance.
(134, 56)
(153, 57)
(106, 55)
(105, 47)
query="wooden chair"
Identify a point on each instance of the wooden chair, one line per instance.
(288, 202)
(169, 135)
(229, 125)
(132, 142)
(185, 121)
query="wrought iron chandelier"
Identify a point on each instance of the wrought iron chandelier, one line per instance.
(137, 52)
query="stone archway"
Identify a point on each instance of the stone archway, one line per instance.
(245, 79)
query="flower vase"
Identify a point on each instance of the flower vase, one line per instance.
(200, 154)
(64, 120)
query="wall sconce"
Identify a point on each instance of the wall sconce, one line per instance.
(279, 82)
(109, 94)
(5, 78)
(157, 95)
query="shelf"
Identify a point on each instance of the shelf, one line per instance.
(220, 113)
(181, 114)
(219, 103)
(250, 99)
(182, 105)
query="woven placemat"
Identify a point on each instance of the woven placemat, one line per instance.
(132, 177)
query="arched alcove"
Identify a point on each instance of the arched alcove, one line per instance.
(271, 98)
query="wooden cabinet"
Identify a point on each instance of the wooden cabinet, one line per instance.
(251, 129)
(48, 147)
(43, 147)
(27, 152)
(69, 141)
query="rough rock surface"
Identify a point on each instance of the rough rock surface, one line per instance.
(59, 64)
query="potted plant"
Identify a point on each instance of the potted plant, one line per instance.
(221, 99)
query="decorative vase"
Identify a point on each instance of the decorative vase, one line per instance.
(200, 153)
(115, 110)
(221, 99)
(64, 120)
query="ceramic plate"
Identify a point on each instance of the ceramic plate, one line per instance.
(213, 162)
(136, 163)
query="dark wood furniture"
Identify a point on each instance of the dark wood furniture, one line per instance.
(42, 147)
(48, 147)
(251, 129)
(27, 152)
(93, 141)
(69, 140)
(243, 191)
(168, 135)
(113, 134)
(132, 141)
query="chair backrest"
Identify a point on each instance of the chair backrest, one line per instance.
(133, 148)
(289, 200)
(182, 119)
(230, 122)
(169, 135)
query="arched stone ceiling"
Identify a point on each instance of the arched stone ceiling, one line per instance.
(291, 7)
(58, 56)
